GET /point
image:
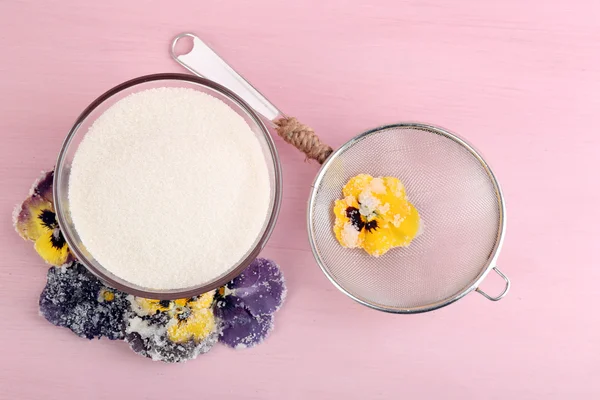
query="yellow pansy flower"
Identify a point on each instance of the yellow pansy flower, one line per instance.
(35, 220)
(190, 319)
(375, 215)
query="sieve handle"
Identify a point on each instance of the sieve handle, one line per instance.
(204, 62)
(501, 295)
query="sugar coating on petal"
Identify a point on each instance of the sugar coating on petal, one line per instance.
(350, 235)
(377, 186)
(368, 203)
(156, 331)
(260, 287)
(143, 328)
(384, 208)
(70, 299)
(245, 310)
(43, 186)
(240, 329)
(147, 336)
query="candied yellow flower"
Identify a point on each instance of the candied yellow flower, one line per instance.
(35, 220)
(52, 247)
(375, 215)
(191, 319)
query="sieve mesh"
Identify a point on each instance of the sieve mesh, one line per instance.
(461, 208)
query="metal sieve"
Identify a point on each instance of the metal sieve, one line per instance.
(459, 200)
(461, 207)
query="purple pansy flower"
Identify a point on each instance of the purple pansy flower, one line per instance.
(245, 306)
(76, 299)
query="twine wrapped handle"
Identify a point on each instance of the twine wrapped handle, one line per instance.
(303, 138)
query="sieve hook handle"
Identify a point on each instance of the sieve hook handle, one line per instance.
(501, 295)
(201, 60)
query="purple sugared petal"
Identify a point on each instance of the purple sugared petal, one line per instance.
(43, 186)
(261, 287)
(72, 299)
(245, 309)
(239, 328)
(160, 349)
(27, 216)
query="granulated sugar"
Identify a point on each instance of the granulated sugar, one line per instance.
(169, 188)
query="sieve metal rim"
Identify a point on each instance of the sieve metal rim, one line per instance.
(488, 266)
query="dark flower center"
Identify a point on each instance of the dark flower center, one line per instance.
(165, 303)
(371, 226)
(57, 239)
(183, 313)
(354, 216)
(356, 220)
(48, 219)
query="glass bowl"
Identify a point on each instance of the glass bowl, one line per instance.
(81, 127)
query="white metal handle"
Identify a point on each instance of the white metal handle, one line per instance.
(204, 62)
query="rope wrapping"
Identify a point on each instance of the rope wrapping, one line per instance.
(303, 138)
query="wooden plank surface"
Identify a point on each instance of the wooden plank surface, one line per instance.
(520, 80)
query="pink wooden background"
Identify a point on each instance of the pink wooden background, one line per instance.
(519, 79)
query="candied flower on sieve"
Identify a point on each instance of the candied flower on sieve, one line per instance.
(76, 299)
(375, 215)
(172, 330)
(35, 220)
(245, 306)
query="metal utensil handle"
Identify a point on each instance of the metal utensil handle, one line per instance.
(204, 62)
(501, 295)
